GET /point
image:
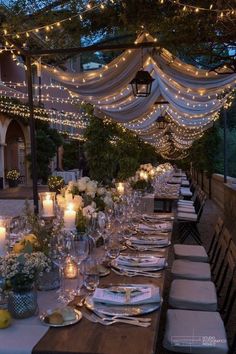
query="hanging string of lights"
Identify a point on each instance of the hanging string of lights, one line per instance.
(194, 8)
(76, 120)
(57, 24)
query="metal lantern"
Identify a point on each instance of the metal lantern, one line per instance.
(142, 84)
(161, 122)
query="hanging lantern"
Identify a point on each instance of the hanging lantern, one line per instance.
(142, 84)
(161, 122)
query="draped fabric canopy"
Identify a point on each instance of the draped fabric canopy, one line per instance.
(194, 96)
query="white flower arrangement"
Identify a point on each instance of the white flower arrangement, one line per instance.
(21, 270)
(88, 196)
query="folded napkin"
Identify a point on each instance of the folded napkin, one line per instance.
(128, 294)
(149, 240)
(141, 261)
(155, 227)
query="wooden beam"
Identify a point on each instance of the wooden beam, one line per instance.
(92, 48)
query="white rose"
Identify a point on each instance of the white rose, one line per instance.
(82, 183)
(88, 211)
(101, 190)
(78, 202)
(108, 201)
(91, 188)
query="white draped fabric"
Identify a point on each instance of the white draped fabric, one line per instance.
(194, 96)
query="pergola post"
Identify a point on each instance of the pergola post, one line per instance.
(225, 146)
(32, 133)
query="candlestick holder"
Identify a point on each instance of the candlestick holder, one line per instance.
(47, 205)
(4, 232)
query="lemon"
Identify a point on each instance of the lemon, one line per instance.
(31, 238)
(5, 319)
(18, 247)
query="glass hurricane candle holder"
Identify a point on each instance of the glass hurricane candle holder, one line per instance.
(120, 187)
(47, 204)
(4, 232)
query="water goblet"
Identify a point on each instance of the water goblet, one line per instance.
(90, 272)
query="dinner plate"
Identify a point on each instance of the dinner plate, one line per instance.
(135, 269)
(43, 319)
(145, 247)
(149, 246)
(103, 271)
(117, 310)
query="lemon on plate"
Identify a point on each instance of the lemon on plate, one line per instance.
(5, 319)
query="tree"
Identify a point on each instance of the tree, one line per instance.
(204, 152)
(113, 152)
(204, 37)
(47, 142)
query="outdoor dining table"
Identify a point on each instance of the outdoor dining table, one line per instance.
(85, 337)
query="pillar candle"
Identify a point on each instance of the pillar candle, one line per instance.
(69, 217)
(2, 240)
(120, 188)
(48, 206)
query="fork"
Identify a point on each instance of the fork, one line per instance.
(106, 322)
(135, 274)
(114, 317)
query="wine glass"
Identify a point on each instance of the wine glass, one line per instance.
(90, 272)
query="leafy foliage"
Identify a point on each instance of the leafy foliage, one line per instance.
(112, 152)
(71, 154)
(47, 142)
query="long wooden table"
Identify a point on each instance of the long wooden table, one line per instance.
(86, 337)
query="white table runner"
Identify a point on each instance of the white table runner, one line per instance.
(24, 334)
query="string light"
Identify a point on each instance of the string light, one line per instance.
(201, 8)
(51, 26)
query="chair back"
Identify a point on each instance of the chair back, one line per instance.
(200, 210)
(214, 241)
(229, 267)
(222, 250)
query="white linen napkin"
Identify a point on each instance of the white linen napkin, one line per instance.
(141, 261)
(128, 295)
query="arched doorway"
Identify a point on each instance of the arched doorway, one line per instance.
(15, 149)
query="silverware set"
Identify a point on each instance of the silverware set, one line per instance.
(131, 273)
(107, 320)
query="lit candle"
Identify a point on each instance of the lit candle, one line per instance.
(68, 197)
(61, 201)
(48, 206)
(2, 240)
(145, 176)
(70, 269)
(152, 172)
(120, 188)
(69, 217)
(141, 174)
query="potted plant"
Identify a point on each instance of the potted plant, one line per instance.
(13, 178)
(55, 183)
(20, 272)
